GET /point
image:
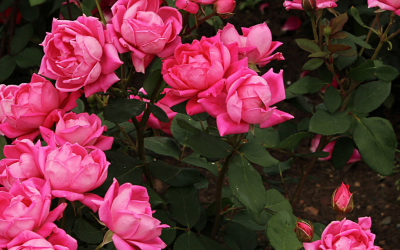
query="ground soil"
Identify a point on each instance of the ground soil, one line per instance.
(374, 195)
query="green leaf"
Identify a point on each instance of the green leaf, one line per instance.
(376, 142)
(348, 57)
(75, 11)
(88, 6)
(121, 109)
(318, 229)
(301, 103)
(5, 4)
(3, 142)
(308, 45)
(36, 2)
(319, 54)
(363, 72)
(279, 168)
(359, 41)
(28, 12)
(174, 176)
(280, 232)
(162, 146)
(386, 73)
(342, 151)
(293, 141)
(268, 137)
(198, 161)
(21, 38)
(245, 218)
(184, 205)
(124, 168)
(305, 85)
(151, 81)
(155, 198)
(168, 234)
(7, 66)
(324, 123)
(185, 125)
(356, 16)
(313, 64)
(332, 99)
(209, 146)
(181, 134)
(80, 106)
(276, 202)
(246, 184)
(29, 57)
(87, 232)
(210, 244)
(257, 154)
(245, 238)
(319, 154)
(370, 96)
(303, 125)
(188, 241)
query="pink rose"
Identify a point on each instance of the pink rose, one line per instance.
(153, 122)
(83, 129)
(320, 4)
(126, 211)
(192, 6)
(342, 200)
(291, 24)
(345, 234)
(26, 207)
(304, 231)
(34, 105)
(256, 43)
(72, 172)
(7, 94)
(197, 70)
(224, 6)
(145, 29)
(391, 5)
(78, 54)
(246, 101)
(329, 148)
(23, 161)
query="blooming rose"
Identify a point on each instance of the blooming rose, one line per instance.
(26, 207)
(304, 231)
(7, 94)
(192, 6)
(391, 5)
(342, 199)
(197, 70)
(83, 129)
(256, 43)
(58, 240)
(345, 234)
(126, 211)
(225, 6)
(35, 104)
(72, 172)
(145, 29)
(246, 101)
(153, 122)
(320, 4)
(329, 148)
(79, 54)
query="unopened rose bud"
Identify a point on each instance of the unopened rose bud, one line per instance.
(327, 31)
(224, 6)
(308, 5)
(304, 230)
(342, 200)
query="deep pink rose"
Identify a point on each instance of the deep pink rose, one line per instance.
(342, 199)
(145, 29)
(224, 6)
(79, 54)
(126, 211)
(197, 70)
(320, 4)
(329, 148)
(192, 6)
(26, 207)
(153, 122)
(58, 240)
(72, 172)
(246, 101)
(35, 104)
(83, 129)
(391, 5)
(345, 234)
(7, 94)
(256, 43)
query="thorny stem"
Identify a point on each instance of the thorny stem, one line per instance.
(314, 28)
(199, 23)
(101, 13)
(369, 33)
(383, 37)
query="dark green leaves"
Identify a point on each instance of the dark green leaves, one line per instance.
(87, 232)
(376, 141)
(313, 64)
(324, 123)
(184, 205)
(186, 127)
(7, 66)
(276, 202)
(293, 141)
(280, 232)
(370, 96)
(29, 57)
(363, 72)
(21, 38)
(174, 176)
(188, 241)
(332, 99)
(121, 109)
(308, 45)
(256, 153)
(342, 152)
(159, 113)
(246, 184)
(162, 146)
(386, 73)
(305, 85)
(209, 146)
(151, 81)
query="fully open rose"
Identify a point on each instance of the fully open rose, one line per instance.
(391, 5)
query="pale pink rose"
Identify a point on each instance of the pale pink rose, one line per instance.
(256, 43)
(26, 207)
(57, 240)
(320, 4)
(291, 24)
(83, 129)
(145, 29)
(72, 172)
(35, 104)
(224, 6)
(22, 161)
(246, 101)
(391, 5)
(153, 122)
(329, 148)
(197, 70)
(126, 211)
(345, 234)
(342, 199)
(80, 54)
(192, 6)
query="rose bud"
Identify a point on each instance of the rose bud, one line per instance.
(224, 6)
(304, 230)
(342, 200)
(308, 5)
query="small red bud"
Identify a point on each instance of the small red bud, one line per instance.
(304, 230)
(342, 200)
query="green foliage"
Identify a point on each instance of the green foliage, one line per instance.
(325, 123)
(87, 232)
(184, 205)
(174, 176)
(121, 109)
(280, 232)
